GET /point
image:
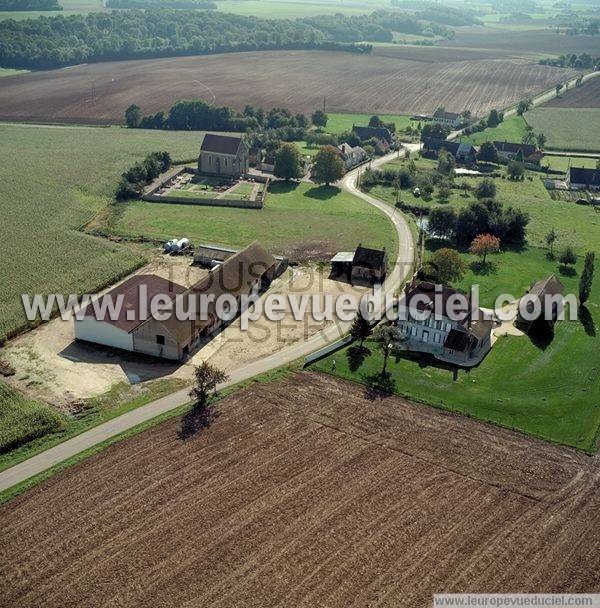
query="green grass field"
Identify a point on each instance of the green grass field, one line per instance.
(295, 217)
(561, 163)
(54, 180)
(282, 9)
(577, 225)
(9, 72)
(567, 128)
(70, 7)
(550, 391)
(511, 129)
(338, 123)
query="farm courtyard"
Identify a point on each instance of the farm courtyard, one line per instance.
(306, 492)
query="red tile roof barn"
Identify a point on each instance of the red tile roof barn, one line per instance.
(130, 292)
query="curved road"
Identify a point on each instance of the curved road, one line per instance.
(88, 439)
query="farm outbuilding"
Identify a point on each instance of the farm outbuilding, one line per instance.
(362, 266)
(136, 329)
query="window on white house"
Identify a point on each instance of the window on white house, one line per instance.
(160, 339)
(437, 338)
(425, 336)
(413, 331)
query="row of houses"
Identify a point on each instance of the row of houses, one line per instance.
(467, 153)
(136, 329)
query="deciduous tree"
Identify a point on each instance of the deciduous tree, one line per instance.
(388, 338)
(447, 265)
(442, 222)
(287, 162)
(488, 152)
(206, 379)
(328, 166)
(483, 245)
(567, 257)
(319, 118)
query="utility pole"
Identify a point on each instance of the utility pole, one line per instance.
(324, 105)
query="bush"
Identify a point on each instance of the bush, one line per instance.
(485, 189)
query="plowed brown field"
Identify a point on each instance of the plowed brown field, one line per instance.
(414, 81)
(306, 493)
(586, 96)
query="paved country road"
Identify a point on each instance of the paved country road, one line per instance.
(88, 439)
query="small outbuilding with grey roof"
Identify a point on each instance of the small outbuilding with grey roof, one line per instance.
(223, 155)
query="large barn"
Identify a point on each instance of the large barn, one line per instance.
(135, 329)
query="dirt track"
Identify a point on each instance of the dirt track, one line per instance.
(389, 81)
(306, 493)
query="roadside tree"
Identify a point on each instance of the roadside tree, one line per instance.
(328, 166)
(206, 379)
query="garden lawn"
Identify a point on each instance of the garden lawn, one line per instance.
(295, 218)
(511, 129)
(508, 272)
(561, 163)
(338, 123)
(577, 225)
(276, 9)
(551, 392)
(567, 128)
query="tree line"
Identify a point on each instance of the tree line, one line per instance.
(30, 5)
(180, 4)
(141, 174)
(50, 42)
(582, 61)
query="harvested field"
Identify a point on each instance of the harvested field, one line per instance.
(306, 493)
(525, 42)
(586, 96)
(377, 83)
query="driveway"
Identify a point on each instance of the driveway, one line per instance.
(402, 268)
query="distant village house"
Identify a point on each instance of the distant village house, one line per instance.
(351, 156)
(462, 152)
(448, 119)
(526, 153)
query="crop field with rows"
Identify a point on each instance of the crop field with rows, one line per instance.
(54, 180)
